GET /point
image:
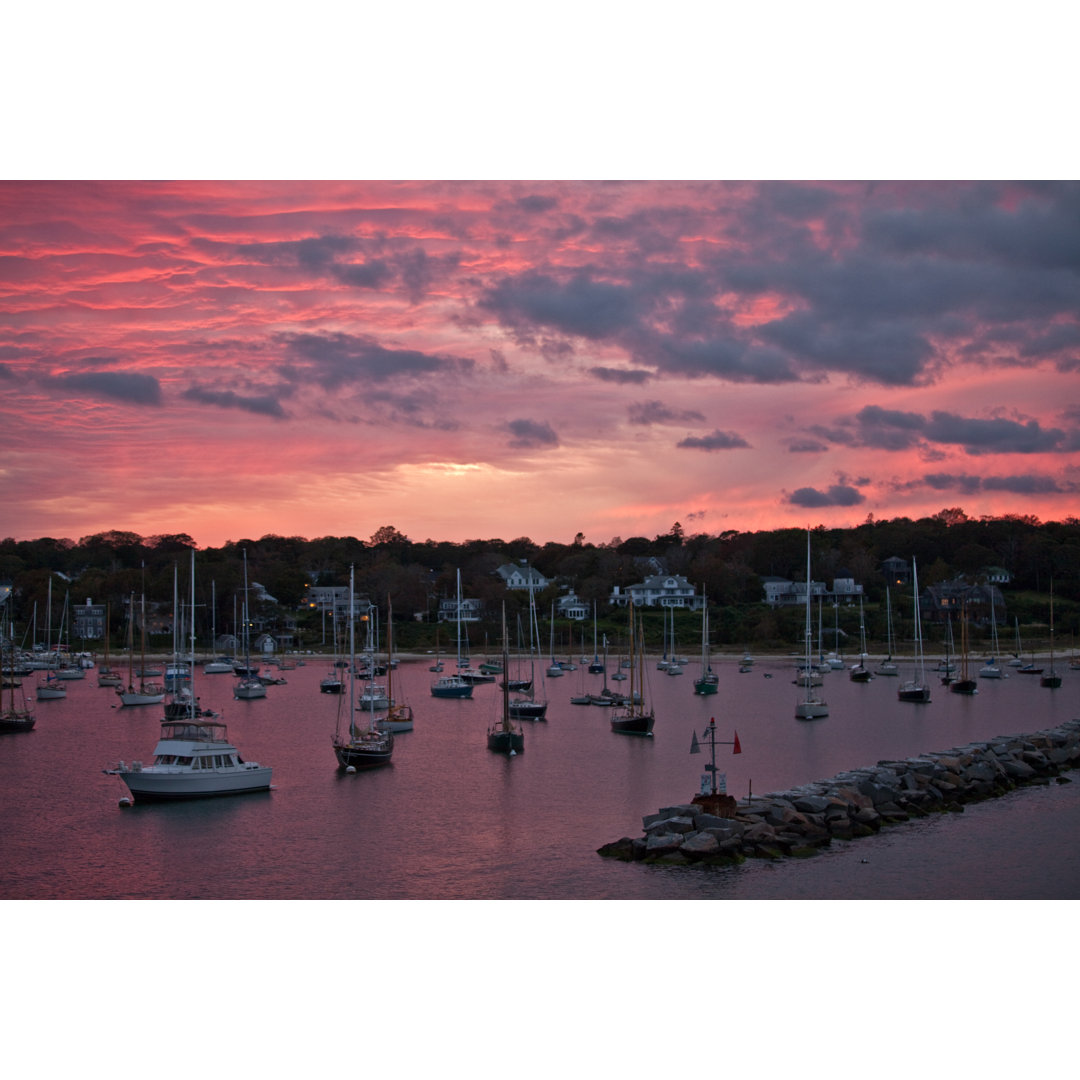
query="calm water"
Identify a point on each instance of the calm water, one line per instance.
(449, 820)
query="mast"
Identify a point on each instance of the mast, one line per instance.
(352, 656)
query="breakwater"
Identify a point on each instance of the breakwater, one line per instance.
(852, 804)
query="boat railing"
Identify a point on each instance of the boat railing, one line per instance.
(193, 730)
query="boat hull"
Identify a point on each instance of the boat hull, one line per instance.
(506, 742)
(150, 785)
(963, 686)
(636, 724)
(11, 723)
(451, 688)
(359, 756)
(528, 710)
(1051, 682)
(811, 710)
(914, 692)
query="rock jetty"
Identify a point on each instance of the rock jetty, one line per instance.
(852, 804)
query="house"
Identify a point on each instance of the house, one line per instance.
(333, 599)
(522, 576)
(896, 571)
(571, 606)
(950, 599)
(471, 610)
(88, 621)
(660, 590)
(780, 592)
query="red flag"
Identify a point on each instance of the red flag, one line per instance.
(736, 749)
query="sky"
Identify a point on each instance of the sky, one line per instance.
(478, 359)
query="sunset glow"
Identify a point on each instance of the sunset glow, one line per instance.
(506, 359)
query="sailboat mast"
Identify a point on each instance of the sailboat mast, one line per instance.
(352, 657)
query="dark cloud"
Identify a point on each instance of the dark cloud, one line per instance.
(949, 482)
(892, 429)
(836, 495)
(531, 434)
(1027, 484)
(966, 484)
(996, 436)
(806, 446)
(633, 376)
(579, 306)
(121, 385)
(536, 204)
(655, 412)
(716, 440)
(335, 360)
(260, 404)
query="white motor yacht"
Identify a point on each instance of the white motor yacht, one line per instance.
(193, 759)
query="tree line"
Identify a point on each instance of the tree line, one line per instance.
(727, 567)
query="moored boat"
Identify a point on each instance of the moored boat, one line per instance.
(361, 747)
(633, 716)
(193, 758)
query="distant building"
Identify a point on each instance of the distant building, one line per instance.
(896, 571)
(660, 590)
(333, 599)
(522, 576)
(88, 621)
(471, 610)
(780, 592)
(572, 607)
(950, 599)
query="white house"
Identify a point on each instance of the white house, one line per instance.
(471, 610)
(522, 576)
(660, 590)
(572, 607)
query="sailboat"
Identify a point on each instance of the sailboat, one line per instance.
(595, 667)
(363, 747)
(1051, 679)
(220, 665)
(14, 716)
(991, 669)
(675, 662)
(916, 689)
(454, 686)
(634, 716)
(887, 665)
(555, 669)
(51, 688)
(249, 686)
(503, 736)
(193, 757)
(860, 672)
(399, 717)
(106, 675)
(965, 684)
(148, 693)
(813, 706)
(708, 682)
(528, 706)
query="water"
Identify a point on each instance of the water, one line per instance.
(449, 820)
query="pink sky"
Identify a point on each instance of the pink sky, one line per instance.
(505, 359)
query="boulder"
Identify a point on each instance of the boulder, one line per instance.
(812, 804)
(701, 845)
(659, 843)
